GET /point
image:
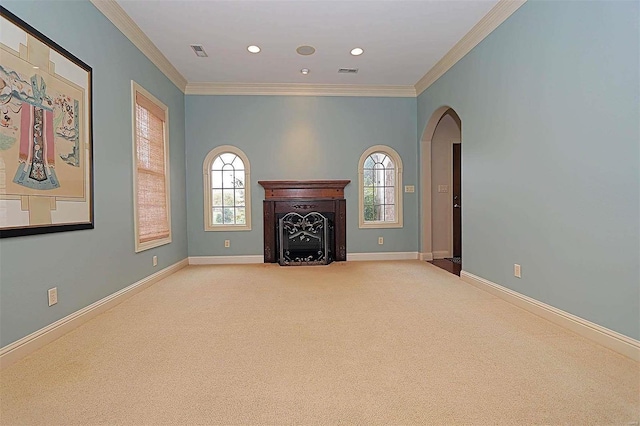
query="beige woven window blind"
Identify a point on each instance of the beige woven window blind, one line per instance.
(151, 191)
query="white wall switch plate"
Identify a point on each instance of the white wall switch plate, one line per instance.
(409, 188)
(516, 271)
(53, 296)
(227, 243)
(380, 240)
(443, 188)
(155, 260)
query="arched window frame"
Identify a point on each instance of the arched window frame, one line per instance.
(397, 161)
(206, 174)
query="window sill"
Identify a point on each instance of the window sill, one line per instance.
(228, 228)
(373, 225)
(140, 247)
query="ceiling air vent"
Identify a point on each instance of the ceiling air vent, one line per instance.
(199, 50)
(348, 71)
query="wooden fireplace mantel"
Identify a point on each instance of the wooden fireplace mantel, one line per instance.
(287, 189)
(303, 197)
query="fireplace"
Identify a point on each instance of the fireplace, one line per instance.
(303, 240)
(304, 222)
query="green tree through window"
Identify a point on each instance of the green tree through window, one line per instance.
(380, 183)
(228, 190)
(378, 187)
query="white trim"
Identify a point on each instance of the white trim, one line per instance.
(397, 160)
(36, 340)
(608, 338)
(442, 254)
(496, 16)
(258, 258)
(285, 89)
(379, 225)
(398, 255)
(426, 165)
(139, 247)
(225, 260)
(426, 256)
(118, 17)
(426, 213)
(206, 178)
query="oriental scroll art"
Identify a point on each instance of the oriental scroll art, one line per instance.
(45, 134)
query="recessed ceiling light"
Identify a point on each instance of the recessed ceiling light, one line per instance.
(253, 49)
(305, 71)
(357, 51)
(306, 50)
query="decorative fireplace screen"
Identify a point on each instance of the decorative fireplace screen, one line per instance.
(303, 240)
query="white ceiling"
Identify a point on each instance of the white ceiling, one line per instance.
(402, 39)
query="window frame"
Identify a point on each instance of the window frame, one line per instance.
(142, 246)
(206, 175)
(398, 201)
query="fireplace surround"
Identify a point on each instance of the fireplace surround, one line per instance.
(304, 202)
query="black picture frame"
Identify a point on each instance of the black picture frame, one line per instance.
(39, 153)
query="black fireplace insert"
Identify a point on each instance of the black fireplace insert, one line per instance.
(305, 239)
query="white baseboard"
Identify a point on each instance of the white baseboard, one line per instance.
(398, 255)
(34, 341)
(225, 260)
(426, 256)
(441, 254)
(229, 260)
(608, 338)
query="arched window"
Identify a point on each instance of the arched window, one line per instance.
(380, 183)
(227, 190)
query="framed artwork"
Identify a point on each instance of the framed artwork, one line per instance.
(46, 159)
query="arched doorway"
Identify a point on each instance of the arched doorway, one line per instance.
(441, 184)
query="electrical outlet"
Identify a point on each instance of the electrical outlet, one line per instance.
(155, 260)
(516, 271)
(409, 188)
(380, 240)
(227, 243)
(53, 296)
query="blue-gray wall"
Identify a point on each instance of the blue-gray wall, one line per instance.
(549, 104)
(291, 138)
(89, 265)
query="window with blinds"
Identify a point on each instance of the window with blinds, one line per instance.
(151, 170)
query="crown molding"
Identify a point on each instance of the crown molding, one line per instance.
(496, 16)
(112, 10)
(285, 89)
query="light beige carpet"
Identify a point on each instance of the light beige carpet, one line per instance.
(350, 343)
